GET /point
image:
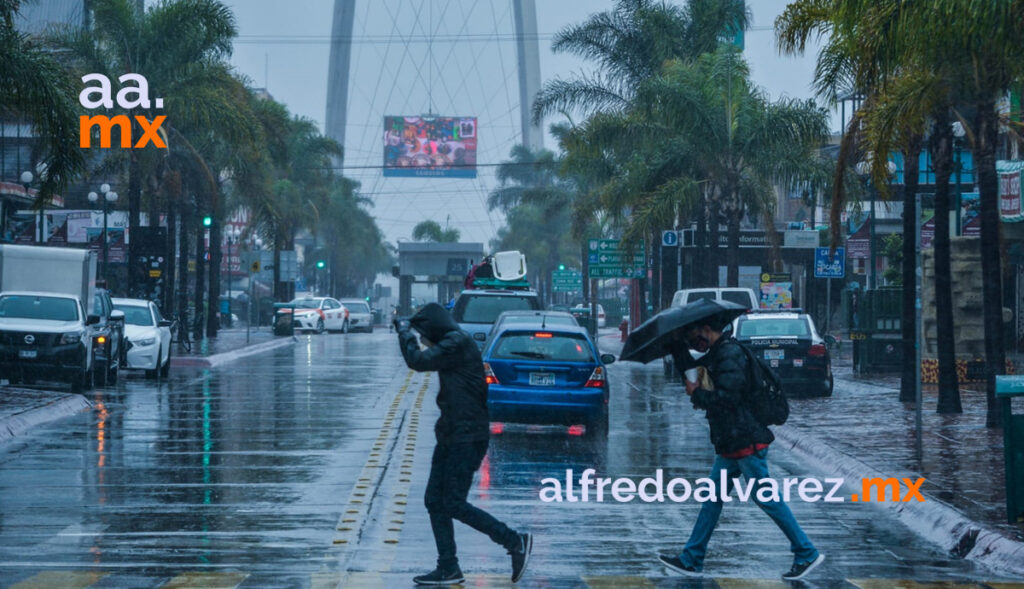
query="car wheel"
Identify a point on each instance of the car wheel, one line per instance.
(320, 326)
(165, 370)
(113, 374)
(829, 386)
(151, 374)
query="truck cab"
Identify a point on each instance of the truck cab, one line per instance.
(47, 336)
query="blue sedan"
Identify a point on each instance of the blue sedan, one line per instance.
(550, 375)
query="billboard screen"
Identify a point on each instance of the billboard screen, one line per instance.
(424, 147)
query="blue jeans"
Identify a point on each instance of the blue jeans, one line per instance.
(754, 466)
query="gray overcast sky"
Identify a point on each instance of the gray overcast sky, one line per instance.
(287, 50)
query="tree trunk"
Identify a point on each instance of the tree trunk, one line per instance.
(278, 287)
(941, 147)
(197, 333)
(167, 304)
(186, 220)
(712, 250)
(986, 136)
(134, 206)
(699, 271)
(732, 252)
(910, 372)
(213, 317)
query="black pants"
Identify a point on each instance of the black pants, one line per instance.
(451, 476)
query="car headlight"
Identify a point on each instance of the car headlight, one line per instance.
(149, 341)
(71, 338)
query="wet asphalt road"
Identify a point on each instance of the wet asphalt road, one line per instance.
(305, 467)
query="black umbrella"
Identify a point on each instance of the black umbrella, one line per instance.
(653, 338)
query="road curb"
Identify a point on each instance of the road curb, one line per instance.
(66, 404)
(227, 357)
(932, 520)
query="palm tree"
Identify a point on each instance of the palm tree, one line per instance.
(37, 88)
(431, 230)
(629, 44)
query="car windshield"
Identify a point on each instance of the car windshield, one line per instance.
(773, 327)
(136, 315)
(736, 296)
(37, 307)
(305, 303)
(543, 346)
(486, 308)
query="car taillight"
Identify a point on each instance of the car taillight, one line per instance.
(489, 377)
(596, 379)
(816, 350)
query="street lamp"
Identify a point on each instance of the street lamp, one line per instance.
(232, 233)
(109, 197)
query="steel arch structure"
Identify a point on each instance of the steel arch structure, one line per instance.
(527, 62)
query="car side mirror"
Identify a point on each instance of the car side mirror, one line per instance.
(607, 359)
(164, 323)
(92, 320)
(117, 315)
(830, 340)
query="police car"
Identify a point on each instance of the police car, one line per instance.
(791, 345)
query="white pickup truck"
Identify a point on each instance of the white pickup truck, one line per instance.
(47, 296)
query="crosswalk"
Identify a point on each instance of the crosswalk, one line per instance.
(374, 580)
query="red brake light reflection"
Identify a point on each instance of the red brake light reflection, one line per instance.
(543, 335)
(575, 430)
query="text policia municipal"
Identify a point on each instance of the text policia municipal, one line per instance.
(678, 490)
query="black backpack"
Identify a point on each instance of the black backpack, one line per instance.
(767, 399)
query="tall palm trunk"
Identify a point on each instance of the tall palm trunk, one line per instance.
(186, 219)
(910, 372)
(941, 144)
(732, 252)
(134, 207)
(699, 271)
(168, 302)
(712, 251)
(986, 136)
(200, 275)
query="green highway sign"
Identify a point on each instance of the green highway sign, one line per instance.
(608, 259)
(566, 281)
(617, 272)
(618, 259)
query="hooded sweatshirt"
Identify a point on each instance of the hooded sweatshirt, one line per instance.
(462, 397)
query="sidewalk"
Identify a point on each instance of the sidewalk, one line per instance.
(230, 344)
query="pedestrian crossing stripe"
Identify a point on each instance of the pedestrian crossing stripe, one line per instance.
(378, 580)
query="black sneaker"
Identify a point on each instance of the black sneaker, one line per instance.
(521, 555)
(677, 565)
(798, 571)
(439, 577)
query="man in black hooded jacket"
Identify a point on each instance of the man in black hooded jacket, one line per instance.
(462, 435)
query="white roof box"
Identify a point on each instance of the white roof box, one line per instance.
(509, 265)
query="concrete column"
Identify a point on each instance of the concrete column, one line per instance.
(338, 70)
(528, 62)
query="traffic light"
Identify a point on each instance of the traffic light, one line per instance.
(367, 299)
(320, 264)
(207, 221)
(561, 266)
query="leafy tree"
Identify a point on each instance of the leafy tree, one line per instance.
(430, 230)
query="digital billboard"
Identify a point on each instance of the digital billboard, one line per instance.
(424, 147)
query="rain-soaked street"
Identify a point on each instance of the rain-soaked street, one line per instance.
(306, 467)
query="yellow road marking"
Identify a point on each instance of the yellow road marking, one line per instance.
(63, 579)
(206, 580)
(907, 584)
(616, 582)
(752, 584)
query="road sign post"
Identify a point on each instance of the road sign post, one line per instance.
(828, 266)
(608, 258)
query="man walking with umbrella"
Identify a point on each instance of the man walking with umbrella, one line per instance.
(462, 438)
(740, 439)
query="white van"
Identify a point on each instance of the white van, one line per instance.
(740, 296)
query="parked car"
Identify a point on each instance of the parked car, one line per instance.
(108, 339)
(541, 319)
(790, 343)
(476, 310)
(360, 316)
(601, 317)
(549, 376)
(320, 314)
(740, 296)
(149, 335)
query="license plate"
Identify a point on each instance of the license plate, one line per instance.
(27, 353)
(542, 379)
(798, 362)
(774, 354)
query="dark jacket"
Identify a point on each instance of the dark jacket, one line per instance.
(733, 425)
(456, 358)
